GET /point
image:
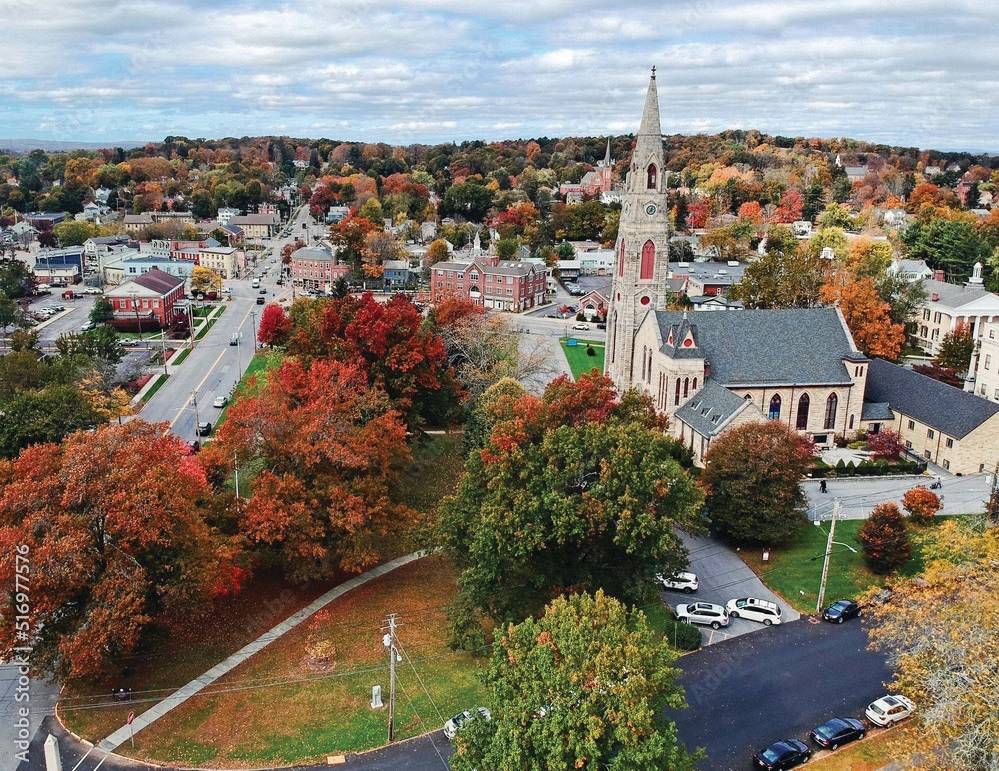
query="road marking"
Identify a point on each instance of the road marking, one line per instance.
(211, 369)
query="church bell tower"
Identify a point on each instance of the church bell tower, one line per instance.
(642, 257)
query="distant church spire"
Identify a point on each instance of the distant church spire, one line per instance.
(607, 158)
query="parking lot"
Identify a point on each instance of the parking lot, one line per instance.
(723, 576)
(75, 315)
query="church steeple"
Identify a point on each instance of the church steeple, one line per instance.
(607, 158)
(640, 275)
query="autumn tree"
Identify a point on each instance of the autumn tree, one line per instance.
(884, 539)
(940, 632)
(574, 490)
(956, 348)
(922, 504)
(781, 280)
(585, 685)
(866, 314)
(437, 252)
(886, 444)
(349, 235)
(330, 447)
(275, 325)
(110, 523)
(752, 479)
(204, 280)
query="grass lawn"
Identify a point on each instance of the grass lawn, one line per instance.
(579, 362)
(161, 378)
(794, 571)
(261, 363)
(179, 357)
(874, 752)
(326, 710)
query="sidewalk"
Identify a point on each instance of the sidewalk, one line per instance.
(177, 698)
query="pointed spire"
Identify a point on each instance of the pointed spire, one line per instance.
(607, 158)
(650, 115)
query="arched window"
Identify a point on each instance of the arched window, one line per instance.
(649, 375)
(614, 337)
(831, 404)
(693, 386)
(643, 361)
(650, 177)
(648, 260)
(676, 398)
(686, 387)
(774, 413)
(801, 422)
(620, 259)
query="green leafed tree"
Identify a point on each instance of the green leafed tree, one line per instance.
(752, 476)
(584, 686)
(956, 349)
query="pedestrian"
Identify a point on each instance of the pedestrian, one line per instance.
(822, 486)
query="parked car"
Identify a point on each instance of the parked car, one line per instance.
(91, 290)
(219, 402)
(840, 611)
(837, 732)
(679, 582)
(764, 611)
(580, 325)
(889, 709)
(705, 613)
(452, 726)
(87, 326)
(204, 428)
(787, 753)
(262, 291)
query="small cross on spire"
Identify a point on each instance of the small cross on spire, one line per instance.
(653, 72)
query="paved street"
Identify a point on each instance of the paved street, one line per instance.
(742, 694)
(723, 576)
(214, 366)
(40, 700)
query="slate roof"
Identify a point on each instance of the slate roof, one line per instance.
(320, 253)
(948, 409)
(953, 295)
(802, 346)
(709, 409)
(876, 411)
(504, 268)
(158, 281)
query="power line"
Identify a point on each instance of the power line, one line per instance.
(419, 717)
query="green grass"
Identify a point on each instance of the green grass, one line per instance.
(261, 363)
(579, 362)
(794, 571)
(161, 378)
(179, 357)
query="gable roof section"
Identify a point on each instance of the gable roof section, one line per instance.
(800, 346)
(954, 295)
(949, 410)
(709, 410)
(158, 281)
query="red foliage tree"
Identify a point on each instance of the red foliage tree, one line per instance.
(331, 446)
(275, 325)
(885, 539)
(791, 206)
(697, 214)
(110, 524)
(454, 309)
(922, 504)
(751, 211)
(885, 445)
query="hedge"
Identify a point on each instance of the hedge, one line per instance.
(684, 637)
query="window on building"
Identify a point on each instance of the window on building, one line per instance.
(693, 385)
(651, 176)
(620, 259)
(851, 421)
(912, 426)
(926, 314)
(774, 412)
(676, 397)
(988, 360)
(648, 261)
(946, 464)
(908, 444)
(927, 454)
(831, 404)
(644, 354)
(686, 387)
(801, 421)
(929, 433)
(949, 442)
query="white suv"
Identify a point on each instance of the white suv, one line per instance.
(764, 611)
(452, 726)
(706, 613)
(681, 582)
(889, 709)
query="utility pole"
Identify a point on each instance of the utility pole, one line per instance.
(197, 418)
(389, 641)
(253, 328)
(828, 554)
(190, 321)
(992, 508)
(163, 350)
(235, 465)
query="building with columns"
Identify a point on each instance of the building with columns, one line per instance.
(641, 269)
(947, 305)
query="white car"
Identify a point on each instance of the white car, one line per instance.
(219, 402)
(704, 613)
(764, 611)
(91, 290)
(889, 709)
(678, 582)
(452, 726)
(580, 325)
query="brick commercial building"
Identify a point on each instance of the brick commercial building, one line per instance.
(257, 225)
(490, 282)
(147, 299)
(316, 269)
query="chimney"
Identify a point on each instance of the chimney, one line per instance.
(707, 369)
(935, 297)
(938, 275)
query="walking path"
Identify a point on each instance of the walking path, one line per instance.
(224, 667)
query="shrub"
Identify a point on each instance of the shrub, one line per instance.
(922, 504)
(885, 539)
(885, 445)
(590, 351)
(684, 637)
(839, 440)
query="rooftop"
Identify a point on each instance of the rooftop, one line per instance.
(708, 410)
(949, 410)
(954, 295)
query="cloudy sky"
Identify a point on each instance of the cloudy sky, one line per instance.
(913, 72)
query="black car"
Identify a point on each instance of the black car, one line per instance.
(787, 753)
(840, 611)
(837, 732)
(204, 428)
(261, 301)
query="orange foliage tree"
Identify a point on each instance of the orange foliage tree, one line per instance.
(922, 504)
(330, 446)
(110, 525)
(866, 314)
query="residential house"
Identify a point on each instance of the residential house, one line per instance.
(225, 214)
(707, 279)
(396, 273)
(945, 425)
(227, 261)
(910, 270)
(151, 298)
(257, 225)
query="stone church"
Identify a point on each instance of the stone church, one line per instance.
(710, 371)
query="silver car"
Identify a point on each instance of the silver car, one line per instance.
(704, 613)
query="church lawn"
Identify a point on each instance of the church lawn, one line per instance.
(875, 752)
(308, 694)
(579, 362)
(794, 571)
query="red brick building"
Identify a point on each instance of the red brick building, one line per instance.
(150, 298)
(491, 283)
(314, 268)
